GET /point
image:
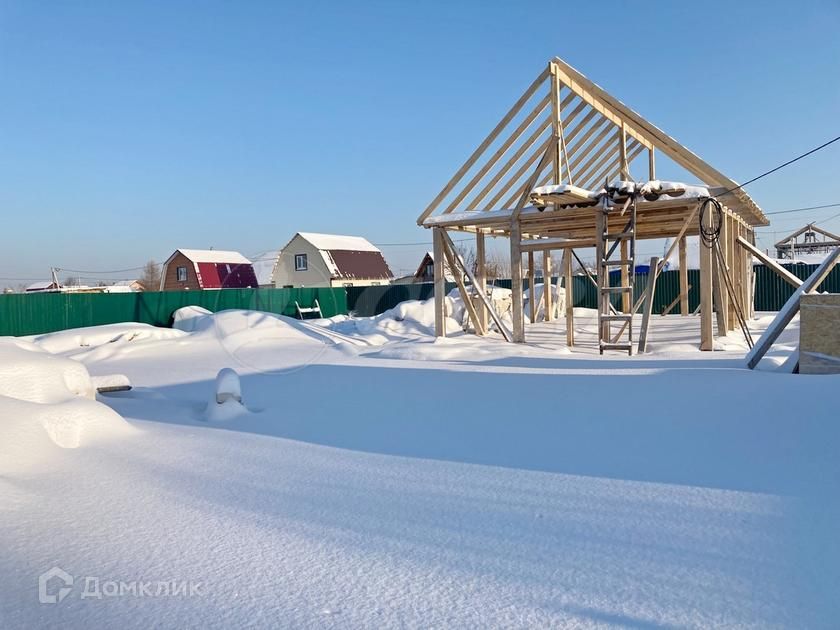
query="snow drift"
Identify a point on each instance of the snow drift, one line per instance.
(47, 402)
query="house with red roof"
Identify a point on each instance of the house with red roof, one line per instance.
(197, 269)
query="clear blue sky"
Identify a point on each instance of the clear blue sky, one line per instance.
(130, 129)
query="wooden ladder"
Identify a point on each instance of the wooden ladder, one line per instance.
(607, 244)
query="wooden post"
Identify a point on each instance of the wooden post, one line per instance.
(707, 341)
(650, 290)
(602, 278)
(626, 298)
(683, 276)
(440, 283)
(720, 295)
(462, 289)
(624, 167)
(532, 294)
(481, 276)
(547, 302)
(516, 281)
(568, 285)
(651, 164)
(731, 317)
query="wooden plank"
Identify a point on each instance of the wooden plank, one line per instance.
(683, 295)
(790, 308)
(720, 290)
(497, 177)
(516, 177)
(651, 135)
(624, 168)
(556, 243)
(625, 276)
(547, 158)
(516, 282)
(609, 171)
(568, 285)
(547, 306)
(481, 275)
(707, 341)
(440, 282)
(500, 152)
(769, 262)
(483, 146)
(684, 286)
(649, 293)
(532, 302)
(462, 289)
(483, 297)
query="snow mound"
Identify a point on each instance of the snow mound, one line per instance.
(558, 301)
(94, 336)
(47, 402)
(191, 319)
(407, 320)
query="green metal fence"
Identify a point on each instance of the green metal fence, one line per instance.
(22, 314)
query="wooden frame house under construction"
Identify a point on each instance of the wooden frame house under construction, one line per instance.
(556, 174)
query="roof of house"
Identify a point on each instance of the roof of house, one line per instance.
(349, 257)
(337, 241)
(219, 269)
(264, 266)
(215, 256)
(41, 286)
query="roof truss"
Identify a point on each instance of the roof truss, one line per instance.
(566, 129)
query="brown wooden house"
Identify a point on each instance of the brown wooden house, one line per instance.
(197, 269)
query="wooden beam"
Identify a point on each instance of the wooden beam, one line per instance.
(481, 275)
(649, 293)
(683, 295)
(462, 289)
(555, 243)
(500, 152)
(440, 282)
(769, 262)
(684, 286)
(483, 146)
(547, 297)
(516, 282)
(532, 294)
(790, 308)
(651, 164)
(568, 286)
(707, 341)
(624, 168)
(625, 277)
(468, 272)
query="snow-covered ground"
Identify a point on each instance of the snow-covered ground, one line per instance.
(376, 477)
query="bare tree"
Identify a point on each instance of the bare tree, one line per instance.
(150, 278)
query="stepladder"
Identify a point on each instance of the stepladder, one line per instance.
(615, 253)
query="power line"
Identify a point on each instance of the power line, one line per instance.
(781, 166)
(828, 205)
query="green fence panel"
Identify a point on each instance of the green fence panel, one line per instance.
(31, 314)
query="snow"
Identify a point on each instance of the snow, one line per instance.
(560, 189)
(215, 256)
(46, 403)
(329, 242)
(94, 336)
(264, 266)
(228, 386)
(421, 482)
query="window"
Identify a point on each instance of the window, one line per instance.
(300, 262)
(182, 274)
